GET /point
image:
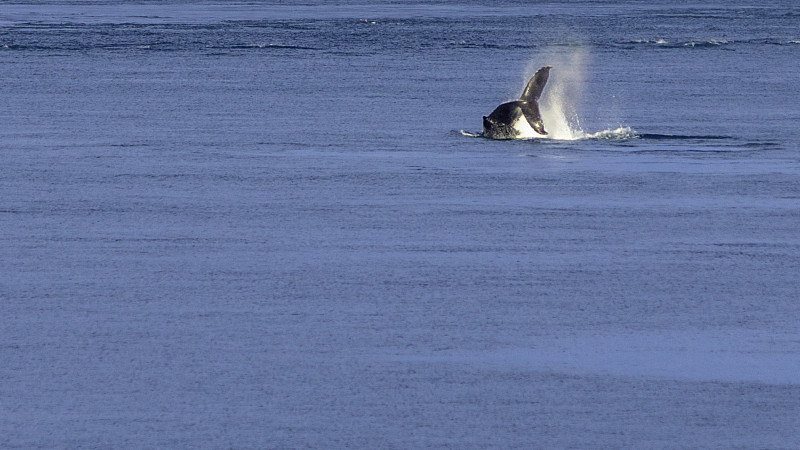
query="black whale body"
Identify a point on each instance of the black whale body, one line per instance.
(500, 123)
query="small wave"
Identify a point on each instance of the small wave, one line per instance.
(647, 41)
(621, 133)
(266, 46)
(722, 44)
(706, 43)
(663, 43)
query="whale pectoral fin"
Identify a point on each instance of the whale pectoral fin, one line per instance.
(536, 84)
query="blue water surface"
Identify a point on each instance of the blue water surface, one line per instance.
(268, 225)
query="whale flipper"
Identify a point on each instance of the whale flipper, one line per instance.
(505, 121)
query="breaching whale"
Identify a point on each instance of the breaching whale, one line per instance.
(512, 119)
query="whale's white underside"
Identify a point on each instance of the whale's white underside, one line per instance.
(525, 130)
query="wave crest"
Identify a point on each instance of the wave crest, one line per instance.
(619, 133)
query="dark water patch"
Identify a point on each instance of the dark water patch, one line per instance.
(352, 36)
(766, 145)
(485, 45)
(673, 137)
(714, 143)
(36, 37)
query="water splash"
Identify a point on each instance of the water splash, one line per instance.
(562, 96)
(559, 103)
(558, 106)
(619, 133)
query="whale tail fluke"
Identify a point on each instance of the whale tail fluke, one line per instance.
(505, 122)
(536, 84)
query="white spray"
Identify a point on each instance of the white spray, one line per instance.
(563, 93)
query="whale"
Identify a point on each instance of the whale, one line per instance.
(519, 118)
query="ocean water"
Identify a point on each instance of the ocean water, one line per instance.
(267, 225)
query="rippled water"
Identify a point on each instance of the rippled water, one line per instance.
(263, 225)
